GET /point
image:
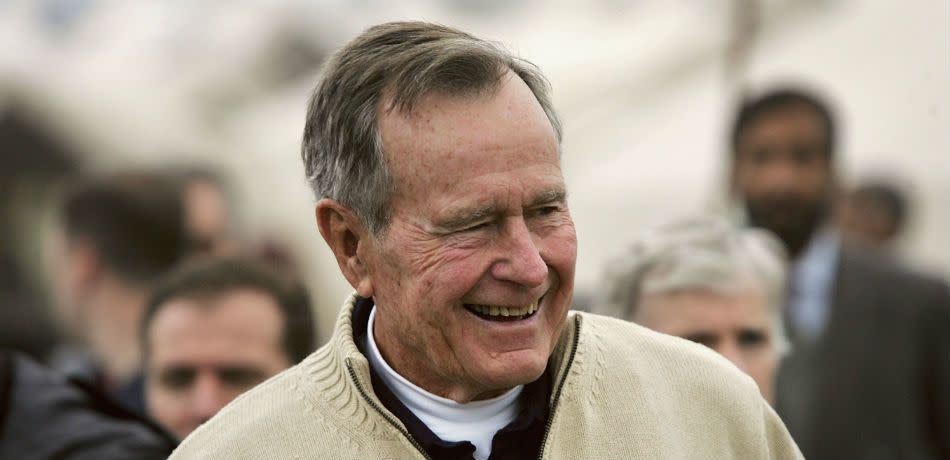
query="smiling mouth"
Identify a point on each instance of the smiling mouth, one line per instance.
(503, 314)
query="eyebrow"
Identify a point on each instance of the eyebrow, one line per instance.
(554, 195)
(702, 337)
(463, 217)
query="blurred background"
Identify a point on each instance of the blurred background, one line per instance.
(646, 89)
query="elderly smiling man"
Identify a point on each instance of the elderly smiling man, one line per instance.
(435, 159)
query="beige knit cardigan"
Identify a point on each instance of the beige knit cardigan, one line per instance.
(620, 392)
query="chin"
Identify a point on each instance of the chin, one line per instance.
(522, 368)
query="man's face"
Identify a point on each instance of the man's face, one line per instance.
(480, 236)
(735, 325)
(203, 353)
(862, 218)
(57, 263)
(206, 215)
(66, 265)
(782, 173)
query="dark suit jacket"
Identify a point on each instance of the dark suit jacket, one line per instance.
(45, 416)
(876, 384)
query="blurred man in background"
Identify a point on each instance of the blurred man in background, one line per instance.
(214, 329)
(209, 216)
(211, 222)
(874, 213)
(702, 280)
(44, 415)
(869, 371)
(116, 236)
(32, 162)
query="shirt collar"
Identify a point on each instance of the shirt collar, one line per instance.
(528, 426)
(422, 402)
(814, 270)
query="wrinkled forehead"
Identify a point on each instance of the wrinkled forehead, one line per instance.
(445, 134)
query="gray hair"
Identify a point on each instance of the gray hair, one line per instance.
(700, 253)
(399, 62)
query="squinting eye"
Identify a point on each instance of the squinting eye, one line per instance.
(760, 156)
(477, 227)
(805, 155)
(703, 339)
(241, 376)
(177, 378)
(751, 338)
(546, 211)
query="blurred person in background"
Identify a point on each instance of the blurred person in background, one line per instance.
(215, 328)
(33, 161)
(706, 281)
(208, 210)
(435, 159)
(869, 371)
(278, 253)
(874, 213)
(45, 416)
(116, 236)
(208, 199)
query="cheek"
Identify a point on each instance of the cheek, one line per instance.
(565, 240)
(761, 363)
(231, 392)
(819, 181)
(560, 252)
(164, 405)
(445, 274)
(424, 290)
(743, 175)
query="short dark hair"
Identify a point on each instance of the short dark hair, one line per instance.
(135, 221)
(890, 197)
(212, 277)
(772, 101)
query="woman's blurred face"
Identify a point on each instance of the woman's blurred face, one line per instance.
(735, 324)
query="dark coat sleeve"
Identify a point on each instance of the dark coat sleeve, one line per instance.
(935, 329)
(45, 416)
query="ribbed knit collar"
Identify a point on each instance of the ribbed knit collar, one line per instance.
(340, 374)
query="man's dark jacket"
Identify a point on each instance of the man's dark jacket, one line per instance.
(876, 384)
(45, 416)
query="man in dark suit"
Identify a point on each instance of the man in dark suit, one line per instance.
(869, 372)
(116, 235)
(44, 415)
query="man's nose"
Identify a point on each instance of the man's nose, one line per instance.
(521, 260)
(208, 396)
(731, 351)
(781, 173)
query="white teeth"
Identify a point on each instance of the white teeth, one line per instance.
(495, 310)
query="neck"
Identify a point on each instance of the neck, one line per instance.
(424, 378)
(113, 330)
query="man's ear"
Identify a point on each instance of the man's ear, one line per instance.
(85, 269)
(732, 175)
(344, 232)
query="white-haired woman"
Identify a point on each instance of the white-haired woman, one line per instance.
(704, 280)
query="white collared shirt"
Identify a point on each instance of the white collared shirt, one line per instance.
(812, 287)
(476, 422)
